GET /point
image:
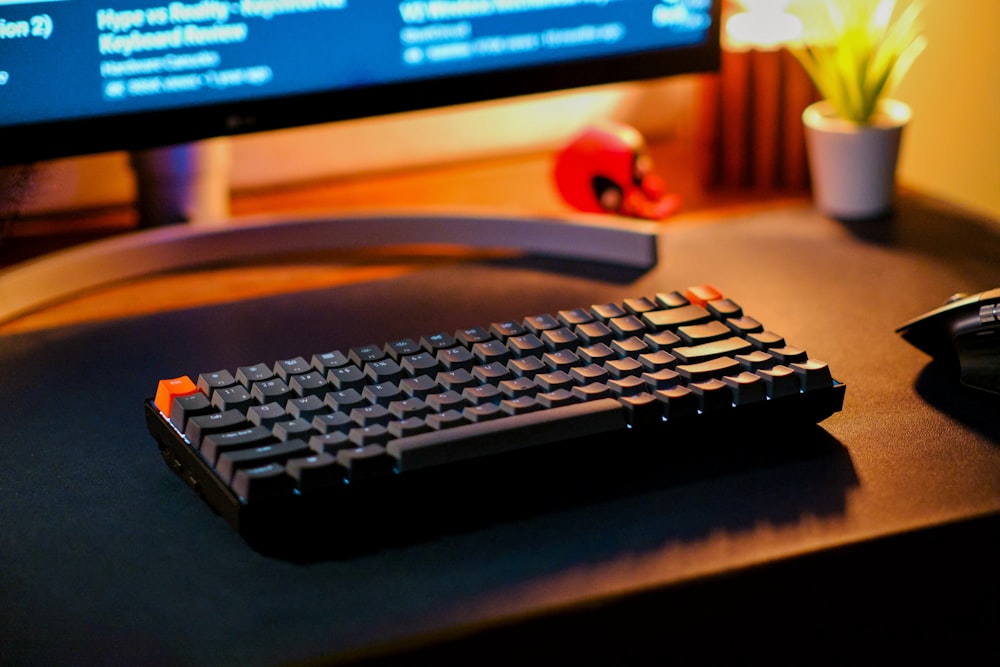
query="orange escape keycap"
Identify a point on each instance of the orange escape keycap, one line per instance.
(168, 390)
(700, 294)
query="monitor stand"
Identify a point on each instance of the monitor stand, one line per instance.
(189, 185)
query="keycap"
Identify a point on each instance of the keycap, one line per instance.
(231, 461)
(658, 320)
(217, 422)
(706, 370)
(247, 375)
(515, 432)
(317, 471)
(261, 481)
(187, 406)
(266, 415)
(215, 444)
(285, 368)
(209, 382)
(705, 351)
(168, 390)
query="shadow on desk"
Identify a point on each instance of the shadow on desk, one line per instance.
(910, 599)
(597, 480)
(938, 384)
(930, 227)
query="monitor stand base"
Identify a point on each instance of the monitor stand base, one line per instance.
(212, 238)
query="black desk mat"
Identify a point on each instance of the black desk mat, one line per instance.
(105, 557)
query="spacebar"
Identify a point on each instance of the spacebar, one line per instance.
(506, 434)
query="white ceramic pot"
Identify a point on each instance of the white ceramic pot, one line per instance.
(853, 167)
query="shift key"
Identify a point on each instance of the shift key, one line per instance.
(279, 452)
(215, 444)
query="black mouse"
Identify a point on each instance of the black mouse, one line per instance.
(966, 330)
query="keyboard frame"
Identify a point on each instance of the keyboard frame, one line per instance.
(401, 505)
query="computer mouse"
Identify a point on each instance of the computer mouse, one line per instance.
(966, 330)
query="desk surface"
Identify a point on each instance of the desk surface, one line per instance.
(882, 527)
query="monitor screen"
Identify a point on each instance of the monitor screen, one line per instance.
(89, 76)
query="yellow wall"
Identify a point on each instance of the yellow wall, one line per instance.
(952, 147)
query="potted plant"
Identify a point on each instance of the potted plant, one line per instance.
(853, 134)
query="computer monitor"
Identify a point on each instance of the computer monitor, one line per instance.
(81, 77)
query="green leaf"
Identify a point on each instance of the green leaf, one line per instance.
(873, 47)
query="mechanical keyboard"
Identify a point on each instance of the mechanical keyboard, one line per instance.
(319, 439)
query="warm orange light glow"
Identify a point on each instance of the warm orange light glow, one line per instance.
(761, 24)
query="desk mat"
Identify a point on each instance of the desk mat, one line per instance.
(105, 556)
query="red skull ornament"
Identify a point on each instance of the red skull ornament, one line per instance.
(607, 169)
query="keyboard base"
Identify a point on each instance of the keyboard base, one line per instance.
(415, 506)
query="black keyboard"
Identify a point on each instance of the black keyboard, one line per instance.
(311, 442)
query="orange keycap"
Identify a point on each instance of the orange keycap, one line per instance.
(167, 390)
(700, 294)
